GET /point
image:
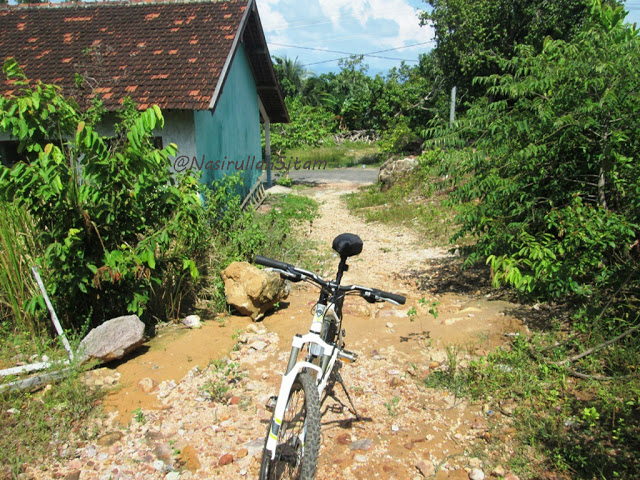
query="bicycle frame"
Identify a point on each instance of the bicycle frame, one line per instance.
(329, 356)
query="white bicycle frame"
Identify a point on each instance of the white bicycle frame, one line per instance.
(299, 341)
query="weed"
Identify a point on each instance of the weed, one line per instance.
(392, 406)
(139, 416)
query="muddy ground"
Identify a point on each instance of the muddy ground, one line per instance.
(162, 423)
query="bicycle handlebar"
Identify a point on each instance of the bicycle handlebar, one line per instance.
(296, 274)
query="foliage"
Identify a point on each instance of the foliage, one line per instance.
(290, 74)
(334, 155)
(309, 126)
(19, 247)
(37, 426)
(399, 137)
(549, 177)
(587, 430)
(112, 219)
(474, 35)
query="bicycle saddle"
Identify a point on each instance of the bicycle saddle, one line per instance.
(347, 244)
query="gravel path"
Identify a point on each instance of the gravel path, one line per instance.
(211, 424)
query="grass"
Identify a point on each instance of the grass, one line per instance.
(18, 250)
(224, 375)
(347, 154)
(576, 429)
(35, 426)
(409, 203)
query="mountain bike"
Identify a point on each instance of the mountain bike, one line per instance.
(293, 436)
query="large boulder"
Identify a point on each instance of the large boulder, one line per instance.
(112, 340)
(251, 291)
(392, 170)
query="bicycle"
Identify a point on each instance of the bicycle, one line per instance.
(292, 443)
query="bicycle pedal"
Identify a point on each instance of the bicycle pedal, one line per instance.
(271, 403)
(347, 356)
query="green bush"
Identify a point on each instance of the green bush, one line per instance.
(113, 221)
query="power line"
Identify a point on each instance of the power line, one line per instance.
(339, 51)
(373, 54)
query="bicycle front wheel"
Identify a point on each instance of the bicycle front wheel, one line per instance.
(299, 435)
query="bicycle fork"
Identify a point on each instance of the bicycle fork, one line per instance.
(293, 369)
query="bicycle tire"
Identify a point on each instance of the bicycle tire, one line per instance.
(306, 456)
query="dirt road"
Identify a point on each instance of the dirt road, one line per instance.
(196, 420)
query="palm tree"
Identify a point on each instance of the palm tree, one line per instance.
(290, 74)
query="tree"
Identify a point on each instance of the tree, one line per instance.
(291, 75)
(474, 35)
(549, 175)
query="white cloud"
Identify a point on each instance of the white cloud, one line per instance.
(357, 26)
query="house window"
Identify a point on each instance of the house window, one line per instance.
(9, 153)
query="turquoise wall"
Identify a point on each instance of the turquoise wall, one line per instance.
(232, 132)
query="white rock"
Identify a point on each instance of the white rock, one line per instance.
(192, 321)
(158, 465)
(395, 428)
(360, 458)
(172, 476)
(258, 345)
(476, 474)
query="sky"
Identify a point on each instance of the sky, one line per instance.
(353, 26)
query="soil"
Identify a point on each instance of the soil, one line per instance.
(162, 423)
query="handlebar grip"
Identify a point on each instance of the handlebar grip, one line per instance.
(391, 296)
(268, 262)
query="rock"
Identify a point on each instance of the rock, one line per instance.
(511, 476)
(109, 439)
(146, 384)
(113, 339)
(243, 452)
(498, 471)
(251, 291)
(158, 465)
(433, 365)
(225, 459)
(189, 458)
(426, 468)
(476, 474)
(360, 458)
(192, 321)
(344, 439)
(363, 310)
(392, 170)
(172, 476)
(75, 475)
(475, 462)
(258, 345)
(389, 325)
(364, 444)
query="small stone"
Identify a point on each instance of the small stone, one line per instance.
(109, 439)
(146, 384)
(395, 428)
(91, 452)
(344, 439)
(192, 321)
(475, 462)
(394, 372)
(172, 476)
(225, 459)
(433, 365)
(511, 476)
(498, 471)
(360, 458)
(243, 452)
(75, 475)
(243, 472)
(426, 468)
(476, 474)
(45, 358)
(103, 456)
(189, 458)
(389, 325)
(408, 445)
(363, 444)
(13, 411)
(258, 345)
(234, 400)
(253, 328)
(158, 465)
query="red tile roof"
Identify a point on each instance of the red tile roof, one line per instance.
(170, 53)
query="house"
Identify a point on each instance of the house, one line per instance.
(205, 63)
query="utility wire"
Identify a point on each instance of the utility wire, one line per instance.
(339, 51)
(373, 54)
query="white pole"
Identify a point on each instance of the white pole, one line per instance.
(54, 317)
(452, 112)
